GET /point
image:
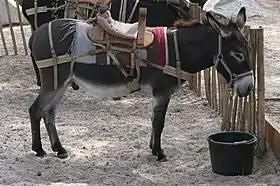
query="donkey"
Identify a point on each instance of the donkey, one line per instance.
(191, 47)
(160, 14)
(42, 17)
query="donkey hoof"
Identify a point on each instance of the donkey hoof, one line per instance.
(41, 153)
(62, 154)
(75, 86)
(151, 146)
(161, 157)
(38, 84)
(154, 153)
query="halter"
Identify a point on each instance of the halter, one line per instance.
(220, 59)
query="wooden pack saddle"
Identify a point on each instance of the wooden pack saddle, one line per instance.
(112, 36)
(121, 36)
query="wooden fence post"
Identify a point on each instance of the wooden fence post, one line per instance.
(193, 78)
(260, 92)
(21, 28)
(3, 40)
(11, 26)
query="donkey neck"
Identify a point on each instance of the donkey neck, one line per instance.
(197, 46)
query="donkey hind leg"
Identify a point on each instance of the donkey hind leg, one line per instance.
(44, 106)
(35, 118)
(161, 101)
(49, 118)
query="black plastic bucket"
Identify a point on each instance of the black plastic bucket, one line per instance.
(232, 153)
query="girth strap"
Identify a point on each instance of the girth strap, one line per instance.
(178, 63)
(110, 54)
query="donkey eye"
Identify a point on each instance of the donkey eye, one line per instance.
(238, 56)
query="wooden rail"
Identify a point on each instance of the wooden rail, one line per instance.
(12, 33)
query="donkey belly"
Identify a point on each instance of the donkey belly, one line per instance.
(104, 81)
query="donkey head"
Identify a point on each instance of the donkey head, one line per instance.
(232, 60)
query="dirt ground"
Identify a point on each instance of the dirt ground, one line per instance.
(108, 140)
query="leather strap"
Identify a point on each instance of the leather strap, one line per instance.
(133, 11)
(36, 14)
(54, 57)
(178, 63)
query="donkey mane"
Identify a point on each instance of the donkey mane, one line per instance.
(183, 23)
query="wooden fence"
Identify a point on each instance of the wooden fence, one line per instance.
(238, 114)
(12, 32)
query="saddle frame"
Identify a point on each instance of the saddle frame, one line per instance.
(111, 43)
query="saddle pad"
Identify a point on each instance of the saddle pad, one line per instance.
(160, 45)
(117, 28)
(82, 44)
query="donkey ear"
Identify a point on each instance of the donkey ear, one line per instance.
(240, 19)
(222, 29)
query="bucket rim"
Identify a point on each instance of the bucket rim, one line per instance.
(253, 140)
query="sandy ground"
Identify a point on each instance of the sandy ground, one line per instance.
(108, 140)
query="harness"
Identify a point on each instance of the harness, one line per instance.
(220, 59)
(118, 41)
(134, 66)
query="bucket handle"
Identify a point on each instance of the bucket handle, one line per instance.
(240, 142)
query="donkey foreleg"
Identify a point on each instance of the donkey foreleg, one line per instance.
(161, 101)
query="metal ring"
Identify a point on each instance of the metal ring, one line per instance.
(220, 56)
(233, 76)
